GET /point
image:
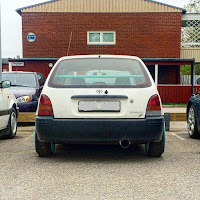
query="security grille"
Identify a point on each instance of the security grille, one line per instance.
(190, 34)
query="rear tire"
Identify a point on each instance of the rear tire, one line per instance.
(44, 149)
(11, 130)
(156, 149)
(192, 123)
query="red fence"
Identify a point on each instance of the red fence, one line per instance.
(175, 93)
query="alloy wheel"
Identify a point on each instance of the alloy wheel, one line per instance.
(191, 121)
(13, 122)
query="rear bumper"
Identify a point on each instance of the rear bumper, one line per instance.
(99, 130)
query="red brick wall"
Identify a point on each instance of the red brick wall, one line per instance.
(147, 35)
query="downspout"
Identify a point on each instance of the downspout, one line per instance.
(192, 77)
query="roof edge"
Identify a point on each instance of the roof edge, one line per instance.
(31, 59)
(169, 59)
(51, 1)
(183, 9)
(143, 59)
(20, 9)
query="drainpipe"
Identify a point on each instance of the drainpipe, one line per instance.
(192, 77)
(156, 75)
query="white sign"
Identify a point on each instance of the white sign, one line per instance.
(31, 37)
(18, 64)
(50, 65)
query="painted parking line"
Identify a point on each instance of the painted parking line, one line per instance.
(28, 138)
(25, 139)
(177, 136)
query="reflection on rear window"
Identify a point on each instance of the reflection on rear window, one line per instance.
(99, 72)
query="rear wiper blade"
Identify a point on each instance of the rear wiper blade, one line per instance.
(20, 85)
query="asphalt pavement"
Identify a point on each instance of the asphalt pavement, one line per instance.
(84, 172)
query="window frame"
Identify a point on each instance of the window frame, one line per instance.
(101, 38)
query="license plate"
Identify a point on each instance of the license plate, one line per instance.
(99, 106)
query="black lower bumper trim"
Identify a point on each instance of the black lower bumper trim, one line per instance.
(99, 130)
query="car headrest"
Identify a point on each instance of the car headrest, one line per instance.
(122, 81)
(78, 81)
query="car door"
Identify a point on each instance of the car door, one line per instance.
(4, 111)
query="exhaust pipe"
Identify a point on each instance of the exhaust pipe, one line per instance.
(124, 143)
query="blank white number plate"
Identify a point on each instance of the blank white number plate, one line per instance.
(99, 106)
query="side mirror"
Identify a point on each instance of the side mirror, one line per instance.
(41, 79)
(5, 84)
(198, 81)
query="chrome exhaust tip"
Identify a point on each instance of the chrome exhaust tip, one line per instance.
(124, 143)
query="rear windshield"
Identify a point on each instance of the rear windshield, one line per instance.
(21, 80)
(99, 72)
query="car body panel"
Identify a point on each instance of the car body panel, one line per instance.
(69, 108)
(7, 100)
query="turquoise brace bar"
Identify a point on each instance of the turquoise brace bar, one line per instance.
(99, 76)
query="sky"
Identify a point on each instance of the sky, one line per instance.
(11, 24)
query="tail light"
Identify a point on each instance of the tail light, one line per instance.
(154, 106)
(45, 106)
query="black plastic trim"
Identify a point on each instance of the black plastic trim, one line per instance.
(32, 103)
(99, 97)
(90, 130)
(143, 59)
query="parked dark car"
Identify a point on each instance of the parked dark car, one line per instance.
(26, 86)
(193, 115)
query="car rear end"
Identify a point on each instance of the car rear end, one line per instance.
(99, 99)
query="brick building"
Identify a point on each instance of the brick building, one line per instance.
(145, 28)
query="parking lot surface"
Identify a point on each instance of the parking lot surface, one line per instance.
(99, 171)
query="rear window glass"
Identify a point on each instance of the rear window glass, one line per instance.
(99, 72)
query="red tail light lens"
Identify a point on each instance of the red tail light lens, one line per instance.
(154, 106)
(154, 103)
(45, 106)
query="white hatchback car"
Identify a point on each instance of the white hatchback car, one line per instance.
(8, 112)
(100, 99)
